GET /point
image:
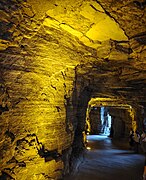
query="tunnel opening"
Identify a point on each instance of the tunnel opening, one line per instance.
(111, 118)
(113, 122)
(100, 121)
(106, 120)
(48, 46)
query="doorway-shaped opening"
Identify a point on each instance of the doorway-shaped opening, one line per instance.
(110, 117)
(100, 120)
(105, 121)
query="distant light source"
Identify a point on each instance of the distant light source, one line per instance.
(88, 148)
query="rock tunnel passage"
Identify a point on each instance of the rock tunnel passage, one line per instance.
(59, 61)
(109, 160)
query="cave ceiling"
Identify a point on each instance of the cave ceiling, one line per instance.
(105, 40)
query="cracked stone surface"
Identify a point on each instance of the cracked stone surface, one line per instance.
(54, 57)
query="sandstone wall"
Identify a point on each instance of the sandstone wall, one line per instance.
(34, 118)
(36, 84)
(122, 120)
(95, 121)
(52, 62)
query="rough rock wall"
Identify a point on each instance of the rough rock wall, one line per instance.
(140, 117)
(122, 120)
(34, 122)
(39, 97)
(37, 84)
(95, 121)
(51, 62)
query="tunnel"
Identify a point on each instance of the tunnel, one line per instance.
(66, 66)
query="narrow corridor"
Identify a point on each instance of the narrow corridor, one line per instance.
(109, 160)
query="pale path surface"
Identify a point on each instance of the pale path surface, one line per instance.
(109, 160)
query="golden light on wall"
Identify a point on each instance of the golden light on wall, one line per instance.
(88, 148)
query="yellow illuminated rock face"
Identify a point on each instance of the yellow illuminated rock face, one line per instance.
(54, 57)
(88, 22)
(106, 29)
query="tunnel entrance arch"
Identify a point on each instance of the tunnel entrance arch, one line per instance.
(110, 117)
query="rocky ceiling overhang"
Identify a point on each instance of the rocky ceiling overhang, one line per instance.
(108, 102)
(122, 81)
(90, 21)
(105, 39)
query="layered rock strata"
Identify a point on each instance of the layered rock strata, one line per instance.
(54, 57)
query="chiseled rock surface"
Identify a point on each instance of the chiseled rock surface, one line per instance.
(55, 55)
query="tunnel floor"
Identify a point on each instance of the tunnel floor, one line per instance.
(109, 160)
